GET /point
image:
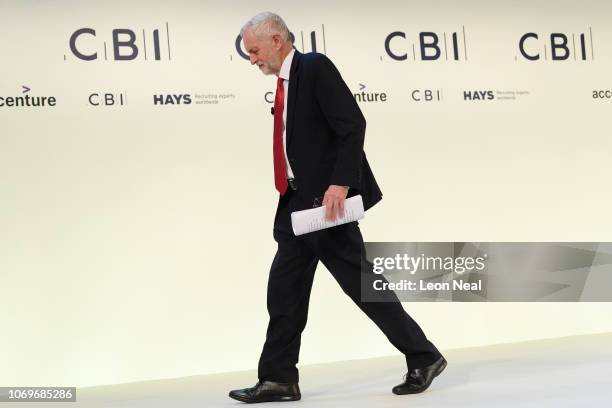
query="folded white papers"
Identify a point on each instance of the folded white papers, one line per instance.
(306, 221)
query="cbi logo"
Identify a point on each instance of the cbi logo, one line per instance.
(426, 95)
(121, 44)
(427, 46)
(107, 99)
(315, 42)
(556, 46)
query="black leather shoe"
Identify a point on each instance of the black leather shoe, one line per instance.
(418, 379)
(267, 391)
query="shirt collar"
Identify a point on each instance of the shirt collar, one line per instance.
(286, 67)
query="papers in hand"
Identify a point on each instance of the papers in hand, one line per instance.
(306, 221)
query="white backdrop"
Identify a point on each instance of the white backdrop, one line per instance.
(135, 239)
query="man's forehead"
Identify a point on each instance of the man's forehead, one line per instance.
(250, 40)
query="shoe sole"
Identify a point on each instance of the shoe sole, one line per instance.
(274, 398)
(438, 372)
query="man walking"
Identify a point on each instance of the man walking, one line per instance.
(318, 156)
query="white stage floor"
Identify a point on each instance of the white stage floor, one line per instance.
(564, 372)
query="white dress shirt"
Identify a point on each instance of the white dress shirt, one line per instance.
(284, 73)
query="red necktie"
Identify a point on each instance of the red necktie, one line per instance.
(280, 167)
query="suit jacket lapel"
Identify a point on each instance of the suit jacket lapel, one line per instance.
(292, 97)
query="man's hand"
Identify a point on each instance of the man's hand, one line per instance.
(333, 200)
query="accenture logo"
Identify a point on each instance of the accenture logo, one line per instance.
(602, 94)
(369, 97)
(27, 100)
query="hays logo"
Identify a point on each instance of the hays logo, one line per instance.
(427, 46)
(478, 95)
(365, 96)
(172, 99)
(122, 44)
(315, 42)
(556, 46)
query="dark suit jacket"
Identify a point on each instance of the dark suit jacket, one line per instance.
(325, 133)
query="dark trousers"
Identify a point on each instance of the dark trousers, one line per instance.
(340, 249)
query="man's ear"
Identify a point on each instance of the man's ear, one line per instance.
(276, 41)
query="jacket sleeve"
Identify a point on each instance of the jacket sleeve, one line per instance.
(346, 120)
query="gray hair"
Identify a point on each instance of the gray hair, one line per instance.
(267, 23)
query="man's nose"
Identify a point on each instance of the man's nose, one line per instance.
(252, 59)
